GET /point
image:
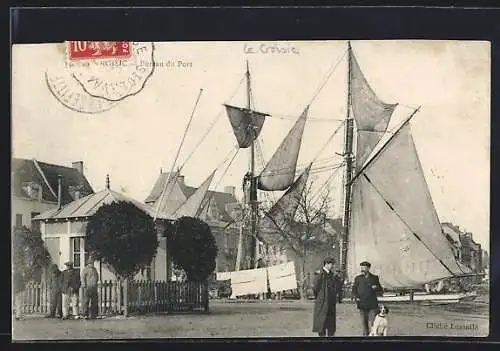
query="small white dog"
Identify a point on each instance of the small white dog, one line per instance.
(380, 324)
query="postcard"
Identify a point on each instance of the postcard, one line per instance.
(250, 189)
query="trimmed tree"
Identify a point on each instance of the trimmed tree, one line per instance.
(30, 255)
(192, 247)
(123, 236)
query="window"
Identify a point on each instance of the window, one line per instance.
(19, 220)
(32, 190)
(78, 252)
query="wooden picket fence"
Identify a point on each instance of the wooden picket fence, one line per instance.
(116, 297)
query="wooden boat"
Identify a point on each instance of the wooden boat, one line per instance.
(430, 298)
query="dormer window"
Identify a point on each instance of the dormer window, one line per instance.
(76, 192)
(32, 190)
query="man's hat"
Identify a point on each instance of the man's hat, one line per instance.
(365, 264)
(329, 260)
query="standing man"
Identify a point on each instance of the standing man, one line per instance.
(339, 279)
(365, 289)
(55, 285)
(325, 293)
(90, 278)
(70, 290)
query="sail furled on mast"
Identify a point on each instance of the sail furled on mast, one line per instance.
(283, 211)
(192, 206)
(370, 113)
(246, 124)
(279, 173)
(394, 224)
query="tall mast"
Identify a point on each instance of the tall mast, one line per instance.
(348, 158)
(253, 184)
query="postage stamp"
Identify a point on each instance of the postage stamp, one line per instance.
(96, 75)
(88, 50)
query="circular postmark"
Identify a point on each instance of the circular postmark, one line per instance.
(93, 85)
(114, 79)
(69, 93)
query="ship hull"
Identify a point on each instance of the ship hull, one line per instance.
(420, 297)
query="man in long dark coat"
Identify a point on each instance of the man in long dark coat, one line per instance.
(55, 284)
(339, 279)
(90, 280)
(325, 293)
(365, 289)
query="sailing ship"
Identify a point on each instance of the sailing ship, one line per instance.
(388, 214)
(389, 218)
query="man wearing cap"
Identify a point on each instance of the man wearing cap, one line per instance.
(325, 293)
(365, 289)
(70, 290)
(90, 278)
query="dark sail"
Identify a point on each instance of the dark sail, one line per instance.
(246, 124)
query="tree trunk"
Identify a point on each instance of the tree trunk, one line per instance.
(303, 294)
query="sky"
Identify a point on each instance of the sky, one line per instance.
(141, 134)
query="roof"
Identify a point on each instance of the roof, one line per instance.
(157, 188)
(45, 174)
(88, 205)
(452, 233)
(220, 199)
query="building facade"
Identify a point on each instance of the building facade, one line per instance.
(466, 250)
(35, 188)
(64, 230)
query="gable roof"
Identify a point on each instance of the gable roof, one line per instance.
(452, 233)
(88, 206)
(45, 174)
(220, 199)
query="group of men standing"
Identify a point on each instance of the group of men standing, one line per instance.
(366, 287)
(65, 291)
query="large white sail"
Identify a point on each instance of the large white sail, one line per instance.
(370, 113)
(394, 224)
(279, 172)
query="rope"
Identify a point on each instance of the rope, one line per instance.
(329, 140)
(315, 197)
(406, 224)
(309, 119)
(177, 155)
(212, 124)
(328, 77)
(222, 176)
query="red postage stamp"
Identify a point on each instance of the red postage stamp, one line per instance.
(81, 50)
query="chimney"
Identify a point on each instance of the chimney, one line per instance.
(230, 190)
(107, 181)
(78, 166)
(59, 191)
